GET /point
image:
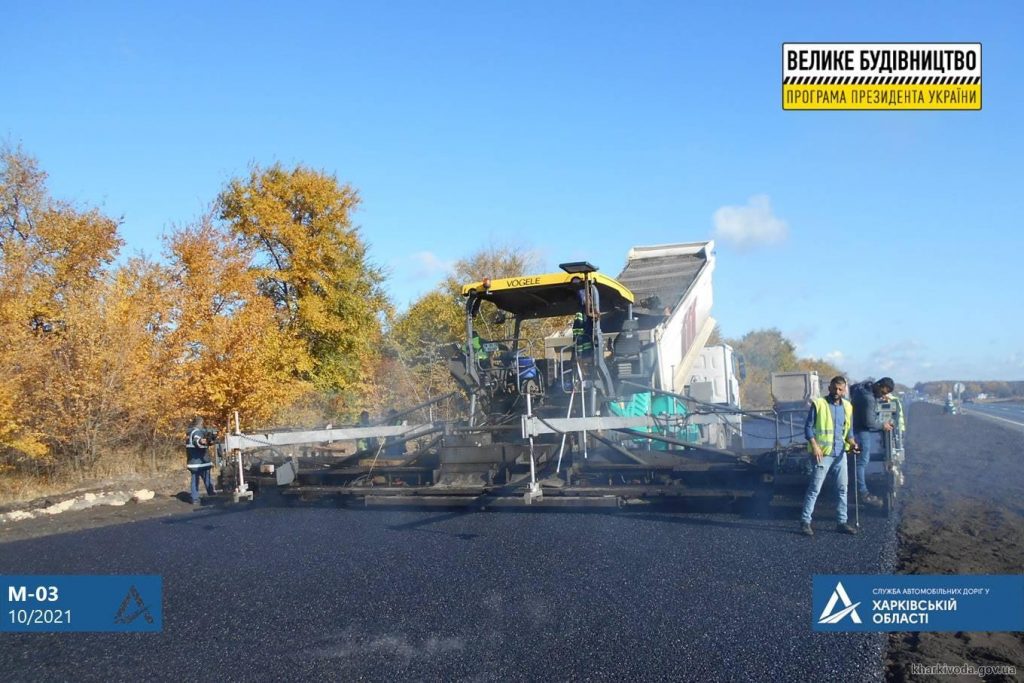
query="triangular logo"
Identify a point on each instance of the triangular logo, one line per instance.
(129, 612)
(849, 607)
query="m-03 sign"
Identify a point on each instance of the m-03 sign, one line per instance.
(115, 603)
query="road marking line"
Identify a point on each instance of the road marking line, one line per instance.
(994, 417)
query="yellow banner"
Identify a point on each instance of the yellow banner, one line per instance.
(882, 97)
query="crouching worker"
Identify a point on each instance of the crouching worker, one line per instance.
(197, 444)
(828, 434)
(868, 428)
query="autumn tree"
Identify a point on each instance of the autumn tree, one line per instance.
(230, 352)
(420, 340)
(62, 345)
(101, 359)
(102, 393)
(826, 370)
(438, 317)
(312, 264)
(716, 336)
(22, 198)
(422, 336)
(767, 351)
(139, 310)
(993, 389)
(764, 351)
(493, 261)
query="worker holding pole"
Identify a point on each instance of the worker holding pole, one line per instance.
(828, 436)
(868, 429)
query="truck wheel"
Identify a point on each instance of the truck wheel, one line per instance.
(717, 437)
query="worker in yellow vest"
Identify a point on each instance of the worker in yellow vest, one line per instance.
(828, 437)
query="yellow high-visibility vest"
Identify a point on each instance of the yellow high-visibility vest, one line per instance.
(824, 428)
(478, 349)
(900, 422)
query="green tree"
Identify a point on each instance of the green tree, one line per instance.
(312, 264)
(421, 340)
(765, 351)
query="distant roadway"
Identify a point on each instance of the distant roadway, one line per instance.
(1011, 414)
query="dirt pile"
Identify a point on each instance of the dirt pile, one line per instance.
(964, 514)
(99, 503)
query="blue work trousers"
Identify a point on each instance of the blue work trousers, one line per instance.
(869, 442)
(207, 479)
(829, 464)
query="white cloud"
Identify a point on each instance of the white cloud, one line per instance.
(906, 361)
(800, 336)
(835, 357)
(751, 225)
(427, 264)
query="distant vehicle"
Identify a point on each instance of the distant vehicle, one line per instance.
(950, 407)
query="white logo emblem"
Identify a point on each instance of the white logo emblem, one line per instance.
(849, 608)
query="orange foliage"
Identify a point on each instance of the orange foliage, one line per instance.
(312, 264)
(229, 351)
(95, 359)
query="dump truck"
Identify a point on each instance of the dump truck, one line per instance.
(714, 384)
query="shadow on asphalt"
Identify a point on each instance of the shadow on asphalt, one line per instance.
(207, 511)
(723, 514)
(419, 524)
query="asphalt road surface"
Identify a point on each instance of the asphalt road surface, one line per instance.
(1009, 414)
(318, 593)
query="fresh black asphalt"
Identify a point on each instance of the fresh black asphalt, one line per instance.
(324, 593)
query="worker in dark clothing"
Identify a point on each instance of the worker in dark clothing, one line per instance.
(583, 325)
(197, 443)
(393, 445)
(368, 443)
(868, 429)
(583, 334)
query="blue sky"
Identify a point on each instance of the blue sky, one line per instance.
(574, 129)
